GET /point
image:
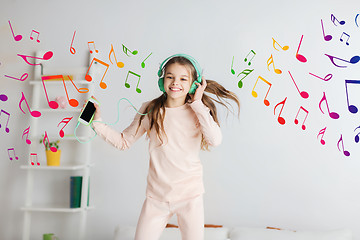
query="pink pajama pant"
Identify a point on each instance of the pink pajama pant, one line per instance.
(155, 215)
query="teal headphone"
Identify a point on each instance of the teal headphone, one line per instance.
(193, 62)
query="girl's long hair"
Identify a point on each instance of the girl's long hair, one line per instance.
(156, 107)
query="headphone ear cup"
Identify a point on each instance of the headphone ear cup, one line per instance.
(161, 84)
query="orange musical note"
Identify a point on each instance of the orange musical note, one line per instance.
(89, 78)
(93, 43)
(46, 56)
(346, 153)
(143, 62)
(72, 49)
(73, 102)
(283, 48)
(32, 156)
(33, 113)
(13, 150)
(22, 78)
(322, 133)
(281, 120)
(53, 149)
(254, 93)
(17, 37)
(246, 72)
(303, 94)
(271, 61)
(52, 104)
(126, 50)
(296, 119)
(26, 132)
(7, 123)
(246, 58)
(31, 37)
(119, 64)
(137, 85)
(333, 115)
(66, 121)
(300, 57)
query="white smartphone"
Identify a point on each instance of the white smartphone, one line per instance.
(87, 114)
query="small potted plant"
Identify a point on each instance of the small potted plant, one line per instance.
(52, 151)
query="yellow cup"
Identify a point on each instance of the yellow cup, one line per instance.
(53, 158)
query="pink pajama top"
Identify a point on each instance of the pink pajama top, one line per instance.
(175, 169)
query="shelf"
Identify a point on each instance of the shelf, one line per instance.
(59, 110)
(55, 209)
(32, 82)
(56, 168)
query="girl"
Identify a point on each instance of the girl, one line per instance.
(178, 124)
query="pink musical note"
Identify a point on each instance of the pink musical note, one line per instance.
(53, 149)
(322, 133)
(352, 108)
(52, 104)
(26, 132)
(32, 156)
(66, 121)
(353, 60)
(93, 43)
(283, 48)
(13, 150)
(33, 113)
(281, 120)
(119, 64)
(17, 37)
(333, 19)
(346, 153)
(247, 56)
(254, 93)
(296, 118)
(137, 85)
(7, 123)
(46, 56)
(326, 78)
(357, 135)
(271, 61)
(72, 49)
(326, 37)
(3, 97)
(300, 57)
(246, 72)
(22, 78)
(348, 36)
(32, 38)
(333, 115)
(89, 78)
(303, 94)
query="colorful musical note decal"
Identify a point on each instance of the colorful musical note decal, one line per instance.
(333, 115)
(280, 119)
(246, 72)
(322, 133)
(119, 64)
(32, 156)
(32, 38)
(346, 153)
(353, 60)
(300, 57)
(7, 122)
(53, 149)
(357, 15)
(357, 135)
(283, 48)
(137, 85)
(72, 102)
(66, 121)
(326, 37)
(247, 56)
(93, 43)
(26, 132)
(326, 78)
(72, 49)
(143, 62)
(17, 37)
(254, 93)
(52, 104)
(352, 108)
(89, 78)
(333, 19)
(296, 118)
(303, 94)
(13, 150)
(348, 36)
(126, 50)
(22, 78)
(3, 97)
(271, 61)
(33, 113)
(46, 56)
(232, 64)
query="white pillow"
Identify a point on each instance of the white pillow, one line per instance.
(242, 233)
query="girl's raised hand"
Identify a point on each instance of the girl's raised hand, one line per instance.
(199, 90)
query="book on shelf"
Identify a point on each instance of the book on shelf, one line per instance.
(75, 191)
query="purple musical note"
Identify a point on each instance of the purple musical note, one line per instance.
(333, 115)
(3, 97)
(353, 60)
(8, 117)
(326, 37)
(357, 135)
(352, 108)
(13, 150)
(346, 153)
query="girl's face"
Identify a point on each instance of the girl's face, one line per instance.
(177, 82)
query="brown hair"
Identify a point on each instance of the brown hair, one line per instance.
(156, 107)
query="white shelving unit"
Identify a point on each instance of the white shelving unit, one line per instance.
(80, 167)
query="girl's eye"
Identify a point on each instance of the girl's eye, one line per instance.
(169, 77)
(184, 79)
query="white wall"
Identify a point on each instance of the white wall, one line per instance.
(264, 173)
